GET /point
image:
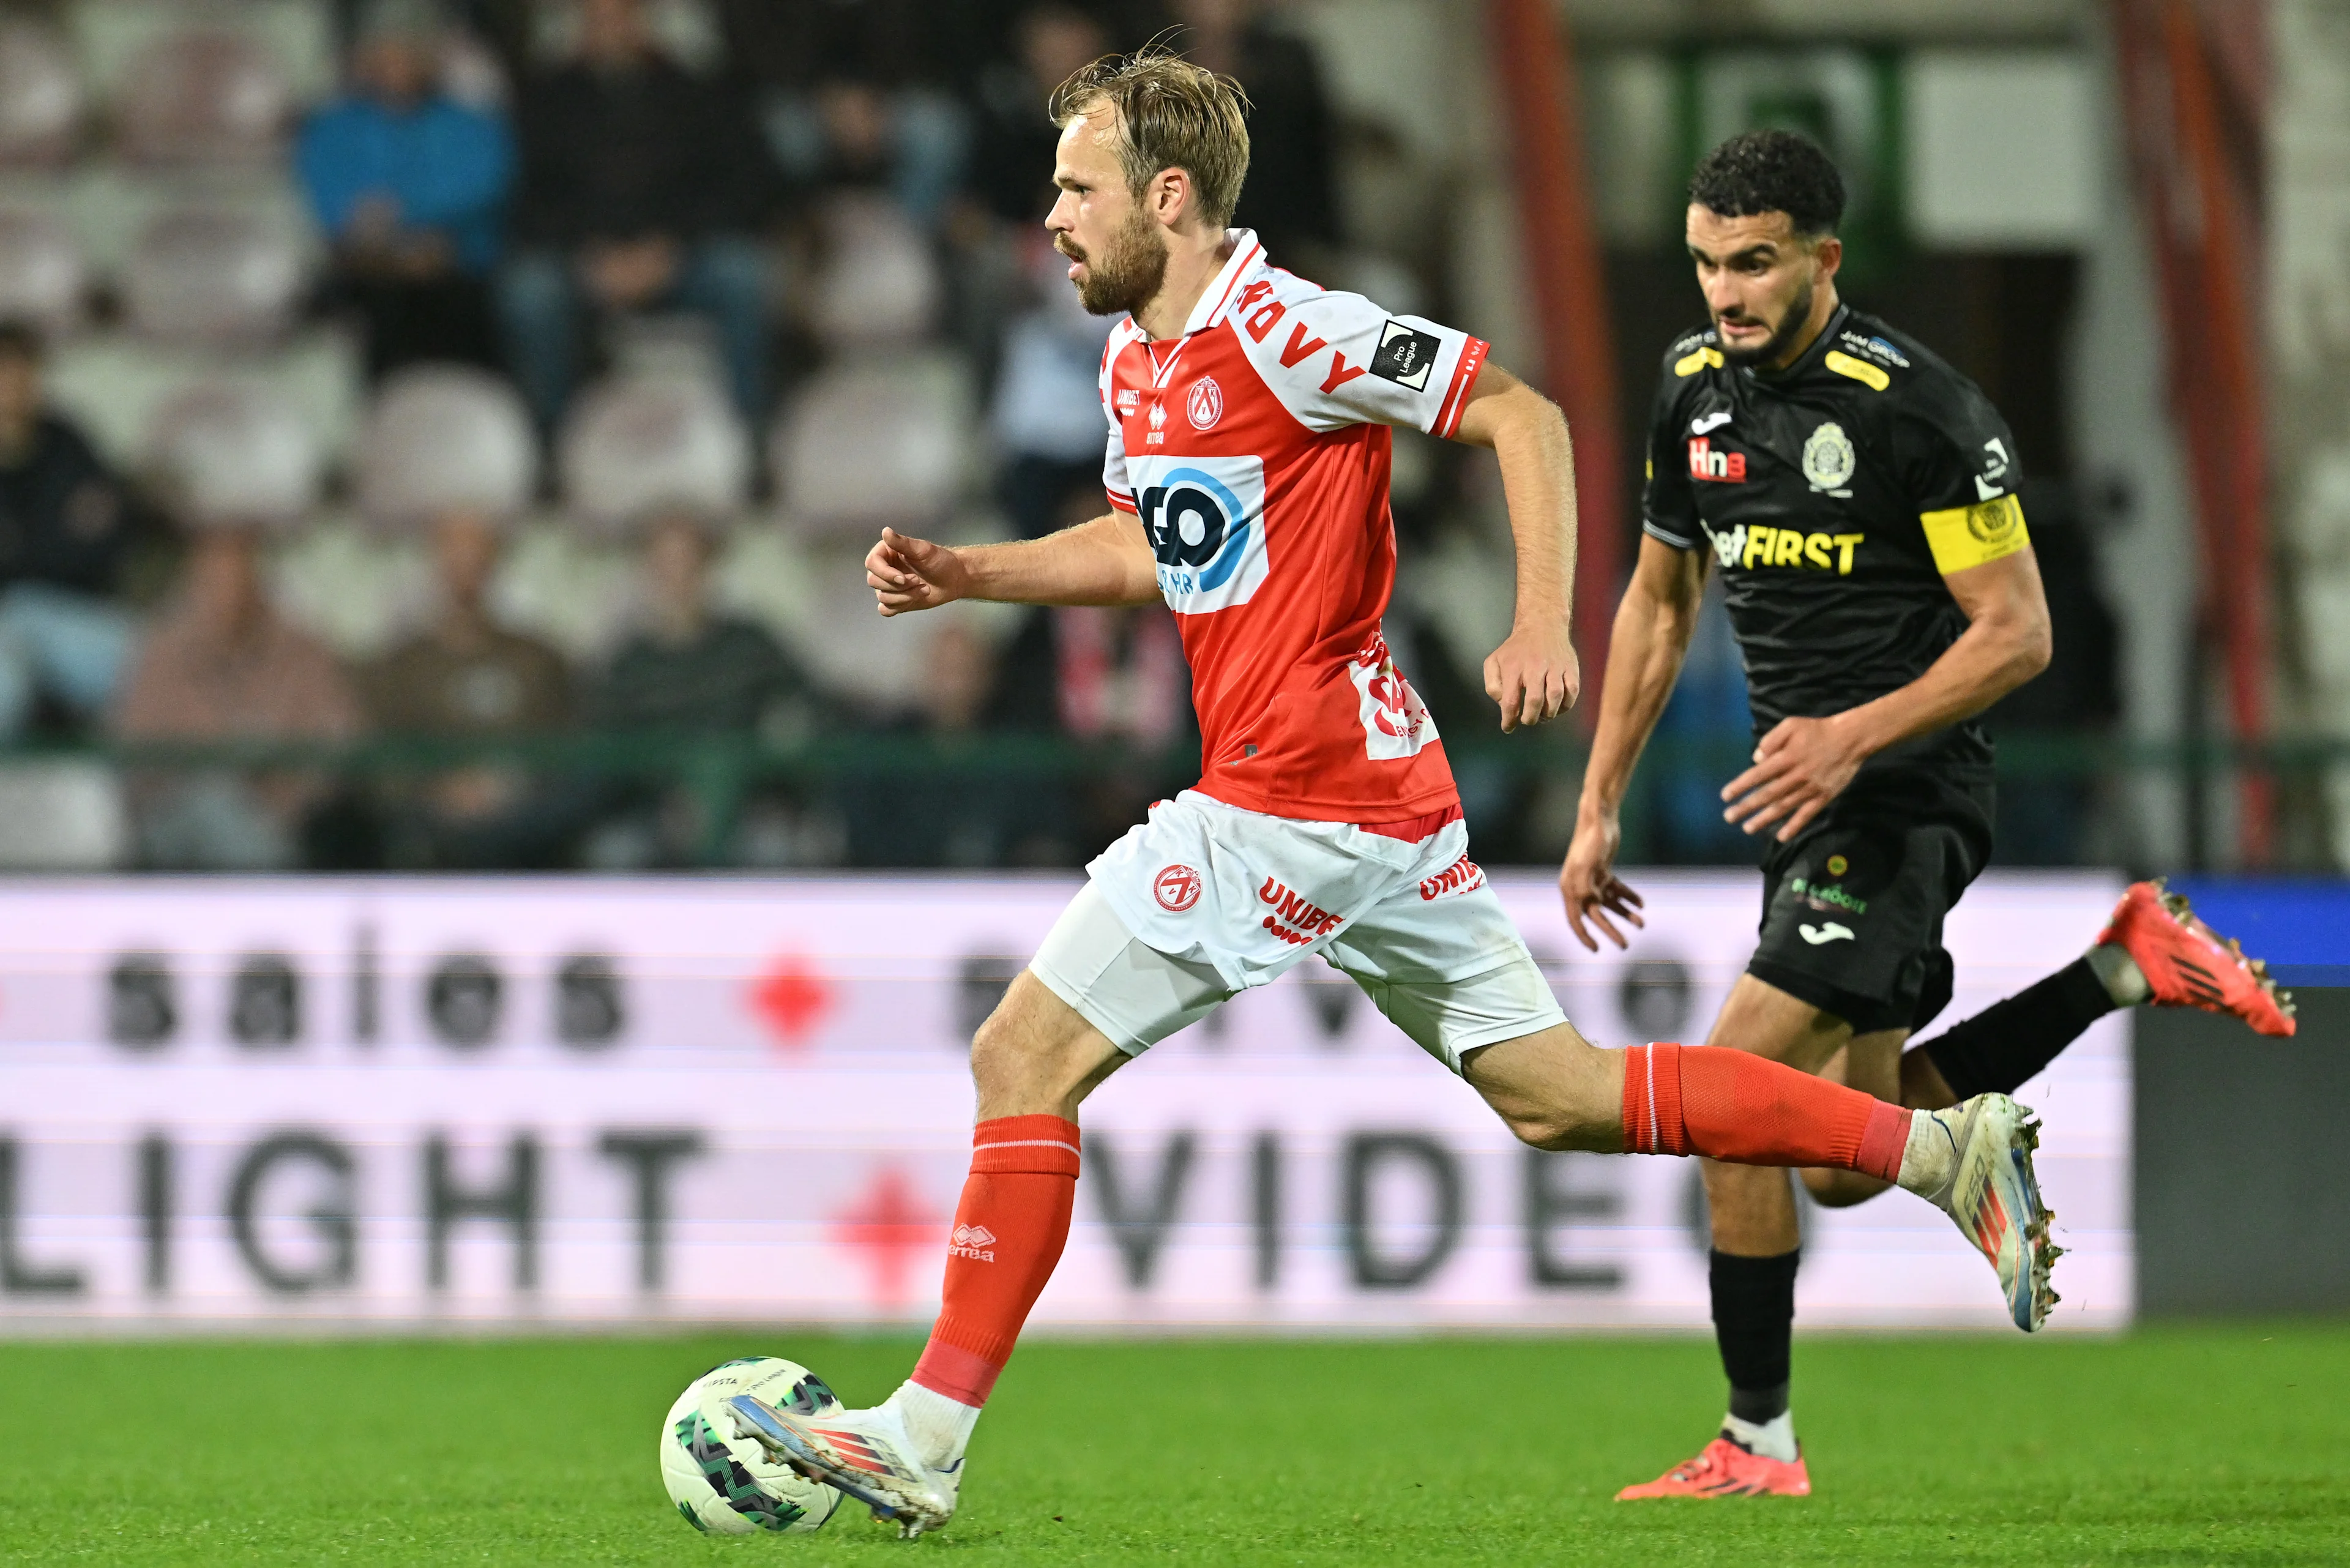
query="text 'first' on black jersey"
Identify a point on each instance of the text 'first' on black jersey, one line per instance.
(1833, 496)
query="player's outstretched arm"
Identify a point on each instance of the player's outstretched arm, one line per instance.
(1105, 562)
(1533, 675)
(1651, 637)
(1803, 763)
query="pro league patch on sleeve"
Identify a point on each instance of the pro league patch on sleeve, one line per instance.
(1404, 357)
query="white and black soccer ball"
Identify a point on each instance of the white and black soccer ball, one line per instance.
(728, 1485)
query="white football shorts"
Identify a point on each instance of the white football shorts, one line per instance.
(1205, 900)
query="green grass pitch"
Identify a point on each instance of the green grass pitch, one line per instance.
(2169, 1446)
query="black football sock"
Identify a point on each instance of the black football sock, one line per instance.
(1754, 1325)
(2009, 1042)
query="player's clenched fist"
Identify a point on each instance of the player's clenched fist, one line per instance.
(909, 574)
(1534, 676)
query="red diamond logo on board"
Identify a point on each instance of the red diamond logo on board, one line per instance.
(888, 1225)
(792, 1000)
(1177, 888)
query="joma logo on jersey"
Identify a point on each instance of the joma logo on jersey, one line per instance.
(1707, 461)
(1204, 517)
(1760, 545)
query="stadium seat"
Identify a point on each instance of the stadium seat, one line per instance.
(881, 440)
(873, 662)
(42, 278)
(877, 281)
(577, 591)
(358, 588)
(110, 206)
(363, 589)
(212, 276)
(203, 94)
(61, 814)
(41, 98)
(443, 437)
(226, 452)
(113, 384)
(634, 443)
(689, 32)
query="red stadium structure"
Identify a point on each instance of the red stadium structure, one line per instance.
(2192, 77)
(1534, 67)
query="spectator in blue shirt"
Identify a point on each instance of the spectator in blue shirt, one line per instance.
(409, 185)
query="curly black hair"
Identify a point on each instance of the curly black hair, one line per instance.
(1771, 171)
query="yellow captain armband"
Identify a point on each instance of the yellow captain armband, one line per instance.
(1696, 359)
(1966, 536)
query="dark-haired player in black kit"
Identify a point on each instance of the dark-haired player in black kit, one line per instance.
(1859, 496)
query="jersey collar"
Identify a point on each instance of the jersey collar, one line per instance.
(1246, 258)
(1812, 356)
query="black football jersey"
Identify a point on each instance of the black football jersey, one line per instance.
(1833, 496)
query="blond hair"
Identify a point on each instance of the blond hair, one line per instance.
(1168, 114)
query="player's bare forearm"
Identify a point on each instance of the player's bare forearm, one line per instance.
(2006, 643)
(1650, 638)
(1534, 675)
(1803, 763)
(1645, 650)
(1105, 562)
(1528, 435)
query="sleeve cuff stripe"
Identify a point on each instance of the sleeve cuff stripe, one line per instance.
(1464, 378)
(1662, 536)
(1123, 503)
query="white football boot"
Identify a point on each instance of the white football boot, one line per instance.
(1991, 1191)
(864, 1453)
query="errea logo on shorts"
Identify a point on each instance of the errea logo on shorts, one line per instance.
(973, 1241)
(1204, 517)
(1177, 888)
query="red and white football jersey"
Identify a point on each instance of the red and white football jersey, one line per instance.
(1255, 450)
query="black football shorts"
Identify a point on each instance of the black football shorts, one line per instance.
(1853, 905)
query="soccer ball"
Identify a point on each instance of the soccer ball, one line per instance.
(729, 1485)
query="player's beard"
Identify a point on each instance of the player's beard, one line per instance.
(1128, 274)
(1799, 311)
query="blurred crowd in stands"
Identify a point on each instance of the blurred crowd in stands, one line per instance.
(443, 370)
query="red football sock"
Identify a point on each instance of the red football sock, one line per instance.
(1735, 1106)
(1009, 1230)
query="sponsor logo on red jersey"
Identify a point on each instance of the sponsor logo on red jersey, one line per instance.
(1394, 722)
(1204, 518)
(1177, 888)
(1721, 467)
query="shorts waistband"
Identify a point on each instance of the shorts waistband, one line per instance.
(1413, 830)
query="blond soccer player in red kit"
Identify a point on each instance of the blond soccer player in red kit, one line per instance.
(1249, 417)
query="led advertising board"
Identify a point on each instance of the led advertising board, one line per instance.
(515, 1102)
